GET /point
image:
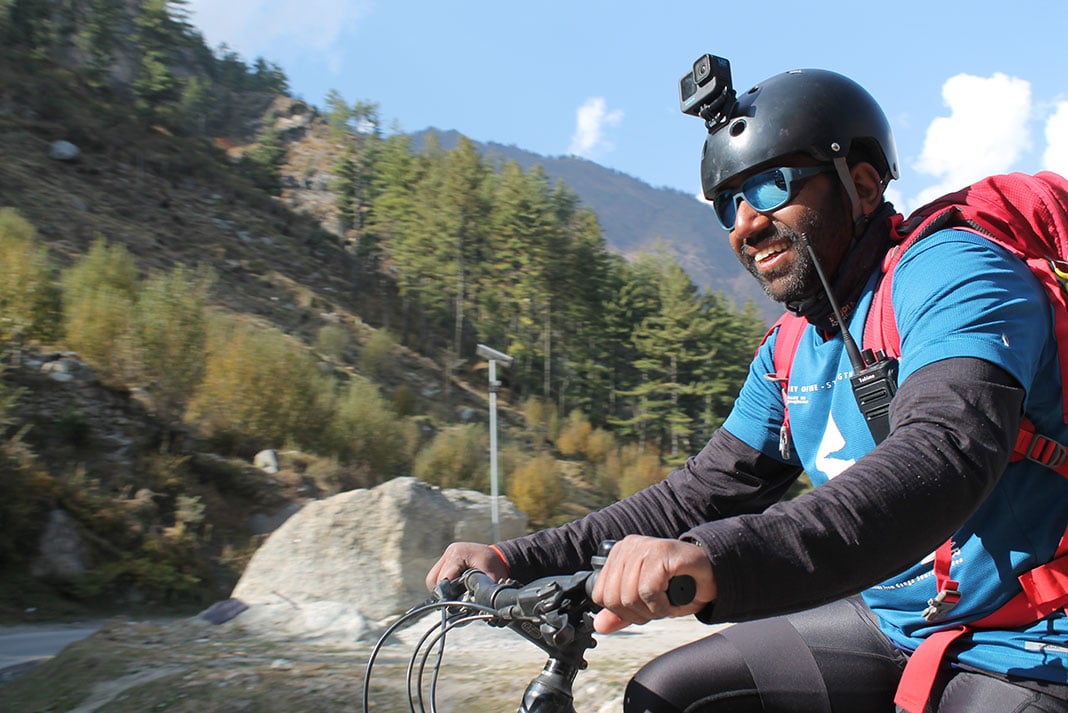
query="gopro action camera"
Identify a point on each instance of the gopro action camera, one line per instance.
(709, 79)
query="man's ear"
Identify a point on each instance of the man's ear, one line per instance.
(869, 186)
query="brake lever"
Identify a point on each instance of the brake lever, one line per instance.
(448, 590)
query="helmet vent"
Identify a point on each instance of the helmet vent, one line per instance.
(738, 127)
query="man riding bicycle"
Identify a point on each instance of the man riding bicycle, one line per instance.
(836, 589)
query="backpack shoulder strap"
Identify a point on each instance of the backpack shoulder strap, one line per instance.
(789, 328)
(880, 329)
(1027, 215)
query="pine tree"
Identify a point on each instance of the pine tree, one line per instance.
(523, 222)
(391, 213)
(159, 31)
(344, 186)
(263, 162)
(636, 297)
(338, 113)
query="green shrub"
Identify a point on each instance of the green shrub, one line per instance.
(378, 356)
(9, 397)
(262, 163)
(574, 435)
(170, 323)
(535, 488)
(99, 293)
(332, 340)
(259, 389)
(404, 401)
(457, 457)
(639, 470)
(73, 427)
(163, 569)
(367, 431)
(103, 267)
(29, 298)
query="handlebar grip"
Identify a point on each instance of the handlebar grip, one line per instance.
(485, 591)
(681, 590)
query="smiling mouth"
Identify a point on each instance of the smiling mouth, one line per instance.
(770, 251)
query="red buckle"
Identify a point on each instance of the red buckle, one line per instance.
(1047, 452)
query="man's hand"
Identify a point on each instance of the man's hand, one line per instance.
(462, 556)
(632, 586)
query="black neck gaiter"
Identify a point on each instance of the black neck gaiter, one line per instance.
(864, 255)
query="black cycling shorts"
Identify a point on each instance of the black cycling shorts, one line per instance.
(833, 659)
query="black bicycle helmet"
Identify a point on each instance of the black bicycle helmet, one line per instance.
(811, 111)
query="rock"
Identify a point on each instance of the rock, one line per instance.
(63, 551)
(63, 151)
(65, 367)
(223, 611)
(335, 624)
(361, 556)
(267, 461)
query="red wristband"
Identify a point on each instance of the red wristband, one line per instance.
(500, 554)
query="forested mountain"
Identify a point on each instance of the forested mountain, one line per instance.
(636, 216)
(223, 268)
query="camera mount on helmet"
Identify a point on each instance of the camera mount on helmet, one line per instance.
(706, 91)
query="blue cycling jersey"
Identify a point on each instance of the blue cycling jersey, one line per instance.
(955, 294)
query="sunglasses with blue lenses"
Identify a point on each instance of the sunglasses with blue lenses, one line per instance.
(764, 192)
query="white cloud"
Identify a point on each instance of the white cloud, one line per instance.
(592, 119)
(1056, 156)
(985, 133)
(253, 27)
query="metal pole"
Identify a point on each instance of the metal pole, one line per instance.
(494, 511)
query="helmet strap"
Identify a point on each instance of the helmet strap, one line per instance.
(859, 219)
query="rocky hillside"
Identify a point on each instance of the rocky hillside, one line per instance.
(80, 169)
(85, 162)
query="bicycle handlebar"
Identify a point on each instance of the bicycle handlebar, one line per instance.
(555, 613)
(513, 601)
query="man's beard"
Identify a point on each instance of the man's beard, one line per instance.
(796, 282)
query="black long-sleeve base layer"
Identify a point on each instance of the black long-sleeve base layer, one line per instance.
(953, 426)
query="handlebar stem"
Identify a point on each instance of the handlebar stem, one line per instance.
(550, 691)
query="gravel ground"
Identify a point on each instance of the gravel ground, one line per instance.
(193, 666)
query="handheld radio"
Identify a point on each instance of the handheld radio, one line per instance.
(874, 379)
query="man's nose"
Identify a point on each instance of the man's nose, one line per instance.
(747, 221)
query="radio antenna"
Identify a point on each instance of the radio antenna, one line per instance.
(852, 350)
(874, 379)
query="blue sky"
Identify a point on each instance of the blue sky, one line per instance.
(971, 88)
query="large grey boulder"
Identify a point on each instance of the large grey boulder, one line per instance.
(341, 564)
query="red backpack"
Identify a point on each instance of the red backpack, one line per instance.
(1027, 215)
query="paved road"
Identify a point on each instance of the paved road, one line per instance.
(24, 646)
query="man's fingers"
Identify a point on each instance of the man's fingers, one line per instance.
(607, 622)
